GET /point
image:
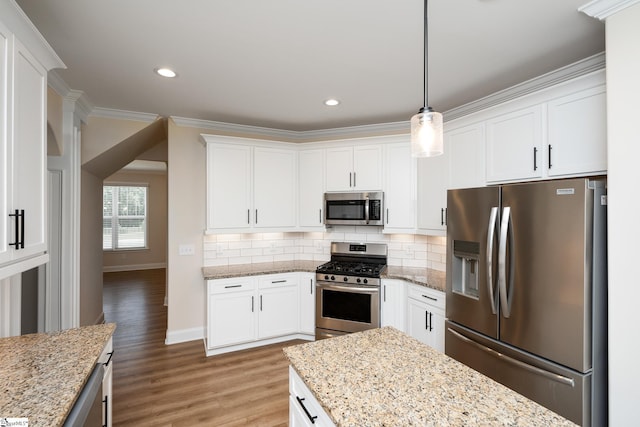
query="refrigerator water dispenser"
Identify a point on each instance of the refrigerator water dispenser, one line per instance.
(465, 268)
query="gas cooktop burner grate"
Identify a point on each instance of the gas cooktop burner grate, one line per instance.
(352, 269)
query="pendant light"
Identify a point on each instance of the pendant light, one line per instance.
(426, 126)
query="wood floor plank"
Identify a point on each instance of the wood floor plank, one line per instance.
(177, 385)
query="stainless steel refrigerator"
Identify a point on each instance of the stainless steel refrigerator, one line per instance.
(527, 290)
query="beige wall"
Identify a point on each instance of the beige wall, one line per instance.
(54, 123)
(155, 256)
(623, 110)
(187, 201)
(91, 250)
(101, 133)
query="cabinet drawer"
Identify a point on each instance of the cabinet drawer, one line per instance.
(301, 395)
(230, 285)
(278, 280)
(429, 296)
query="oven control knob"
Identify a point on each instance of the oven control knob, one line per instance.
(326, 277)
(345, 278)
(358, 280)
(366, 281)
(333, 278)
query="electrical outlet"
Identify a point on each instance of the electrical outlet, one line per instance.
(186, 249)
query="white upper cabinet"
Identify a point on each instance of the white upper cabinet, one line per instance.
(399, 188)
(311, 188)
(249, 186)
(229, 177)
(433, 177)
(274, 188)
(23, 120)
(514, 145)
(466, 156)
(577, 133)
(354, 168)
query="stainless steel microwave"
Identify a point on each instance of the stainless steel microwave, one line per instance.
(354, 208)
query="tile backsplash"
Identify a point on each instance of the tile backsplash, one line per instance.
(406, 250)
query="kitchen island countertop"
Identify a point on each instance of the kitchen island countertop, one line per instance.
(43, 374)
(383, 377)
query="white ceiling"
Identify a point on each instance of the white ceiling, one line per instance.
(273, 63)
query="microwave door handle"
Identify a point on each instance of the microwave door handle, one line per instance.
(366, 210)
(490, 240)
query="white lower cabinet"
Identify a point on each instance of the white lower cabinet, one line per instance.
(425, 316)
(277, 306)
(246, 312)
(304, 408)
(307, 293)
(107, 384)
(393, 302)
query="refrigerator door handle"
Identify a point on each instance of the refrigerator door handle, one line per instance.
(547, 374)
(490, 238)
(506, 298)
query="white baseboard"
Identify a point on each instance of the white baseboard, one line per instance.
(132, 267)
(184, 335)
(253, 344)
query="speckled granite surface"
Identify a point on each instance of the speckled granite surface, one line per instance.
(383, 377)
(41, 375)
(240, 270)
(419, 276)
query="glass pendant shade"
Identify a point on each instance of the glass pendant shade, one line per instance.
(426, 134)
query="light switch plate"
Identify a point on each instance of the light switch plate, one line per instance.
(186, 249)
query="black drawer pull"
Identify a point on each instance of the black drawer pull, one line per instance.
(304, 408)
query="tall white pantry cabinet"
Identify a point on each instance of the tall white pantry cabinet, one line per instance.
(25, 59)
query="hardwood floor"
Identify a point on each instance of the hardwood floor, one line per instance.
(177, 385)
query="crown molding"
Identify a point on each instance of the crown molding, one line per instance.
(19, 24)
(295, 136)
(109, 113)
(82, 107)
(602, 9)
(566, 73)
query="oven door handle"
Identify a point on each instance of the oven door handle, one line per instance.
(372, 289)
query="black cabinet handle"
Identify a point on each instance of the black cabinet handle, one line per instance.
(105, 364)
(431, 321)
(426, 320)
(260, 302)
(550, 156)
(256, 216)
(248, 216)
(106, 411)
(428, 297)
(252, 303)
(535, 158)
(319, 216)
(304, 408)
(19, 229)
(311, 286)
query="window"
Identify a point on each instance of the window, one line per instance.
(124, 219)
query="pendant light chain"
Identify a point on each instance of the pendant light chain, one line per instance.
(426, 57)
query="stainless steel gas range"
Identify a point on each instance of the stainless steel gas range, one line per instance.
(348, 289)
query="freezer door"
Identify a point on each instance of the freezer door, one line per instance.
(562, 390)
(472, 214)
(546, 306)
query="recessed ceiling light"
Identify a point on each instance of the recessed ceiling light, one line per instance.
(165, 72)
(331, 102)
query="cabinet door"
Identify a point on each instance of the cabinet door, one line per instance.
(367, 168)
(399, 188)
(307, 292)
(432, 193)
(310, 188)
(418, 321)
(465, 146)
(231, 318)
(339, 176)
(274, 187)
(393, 298)
(228, 186)
(278, 311)
(577, 142)
(514, 145)
(29, 167)
(5, 170)
(437, 322)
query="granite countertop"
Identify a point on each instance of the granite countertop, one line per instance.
(43, 374)
(383, 377)
(420, 276)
